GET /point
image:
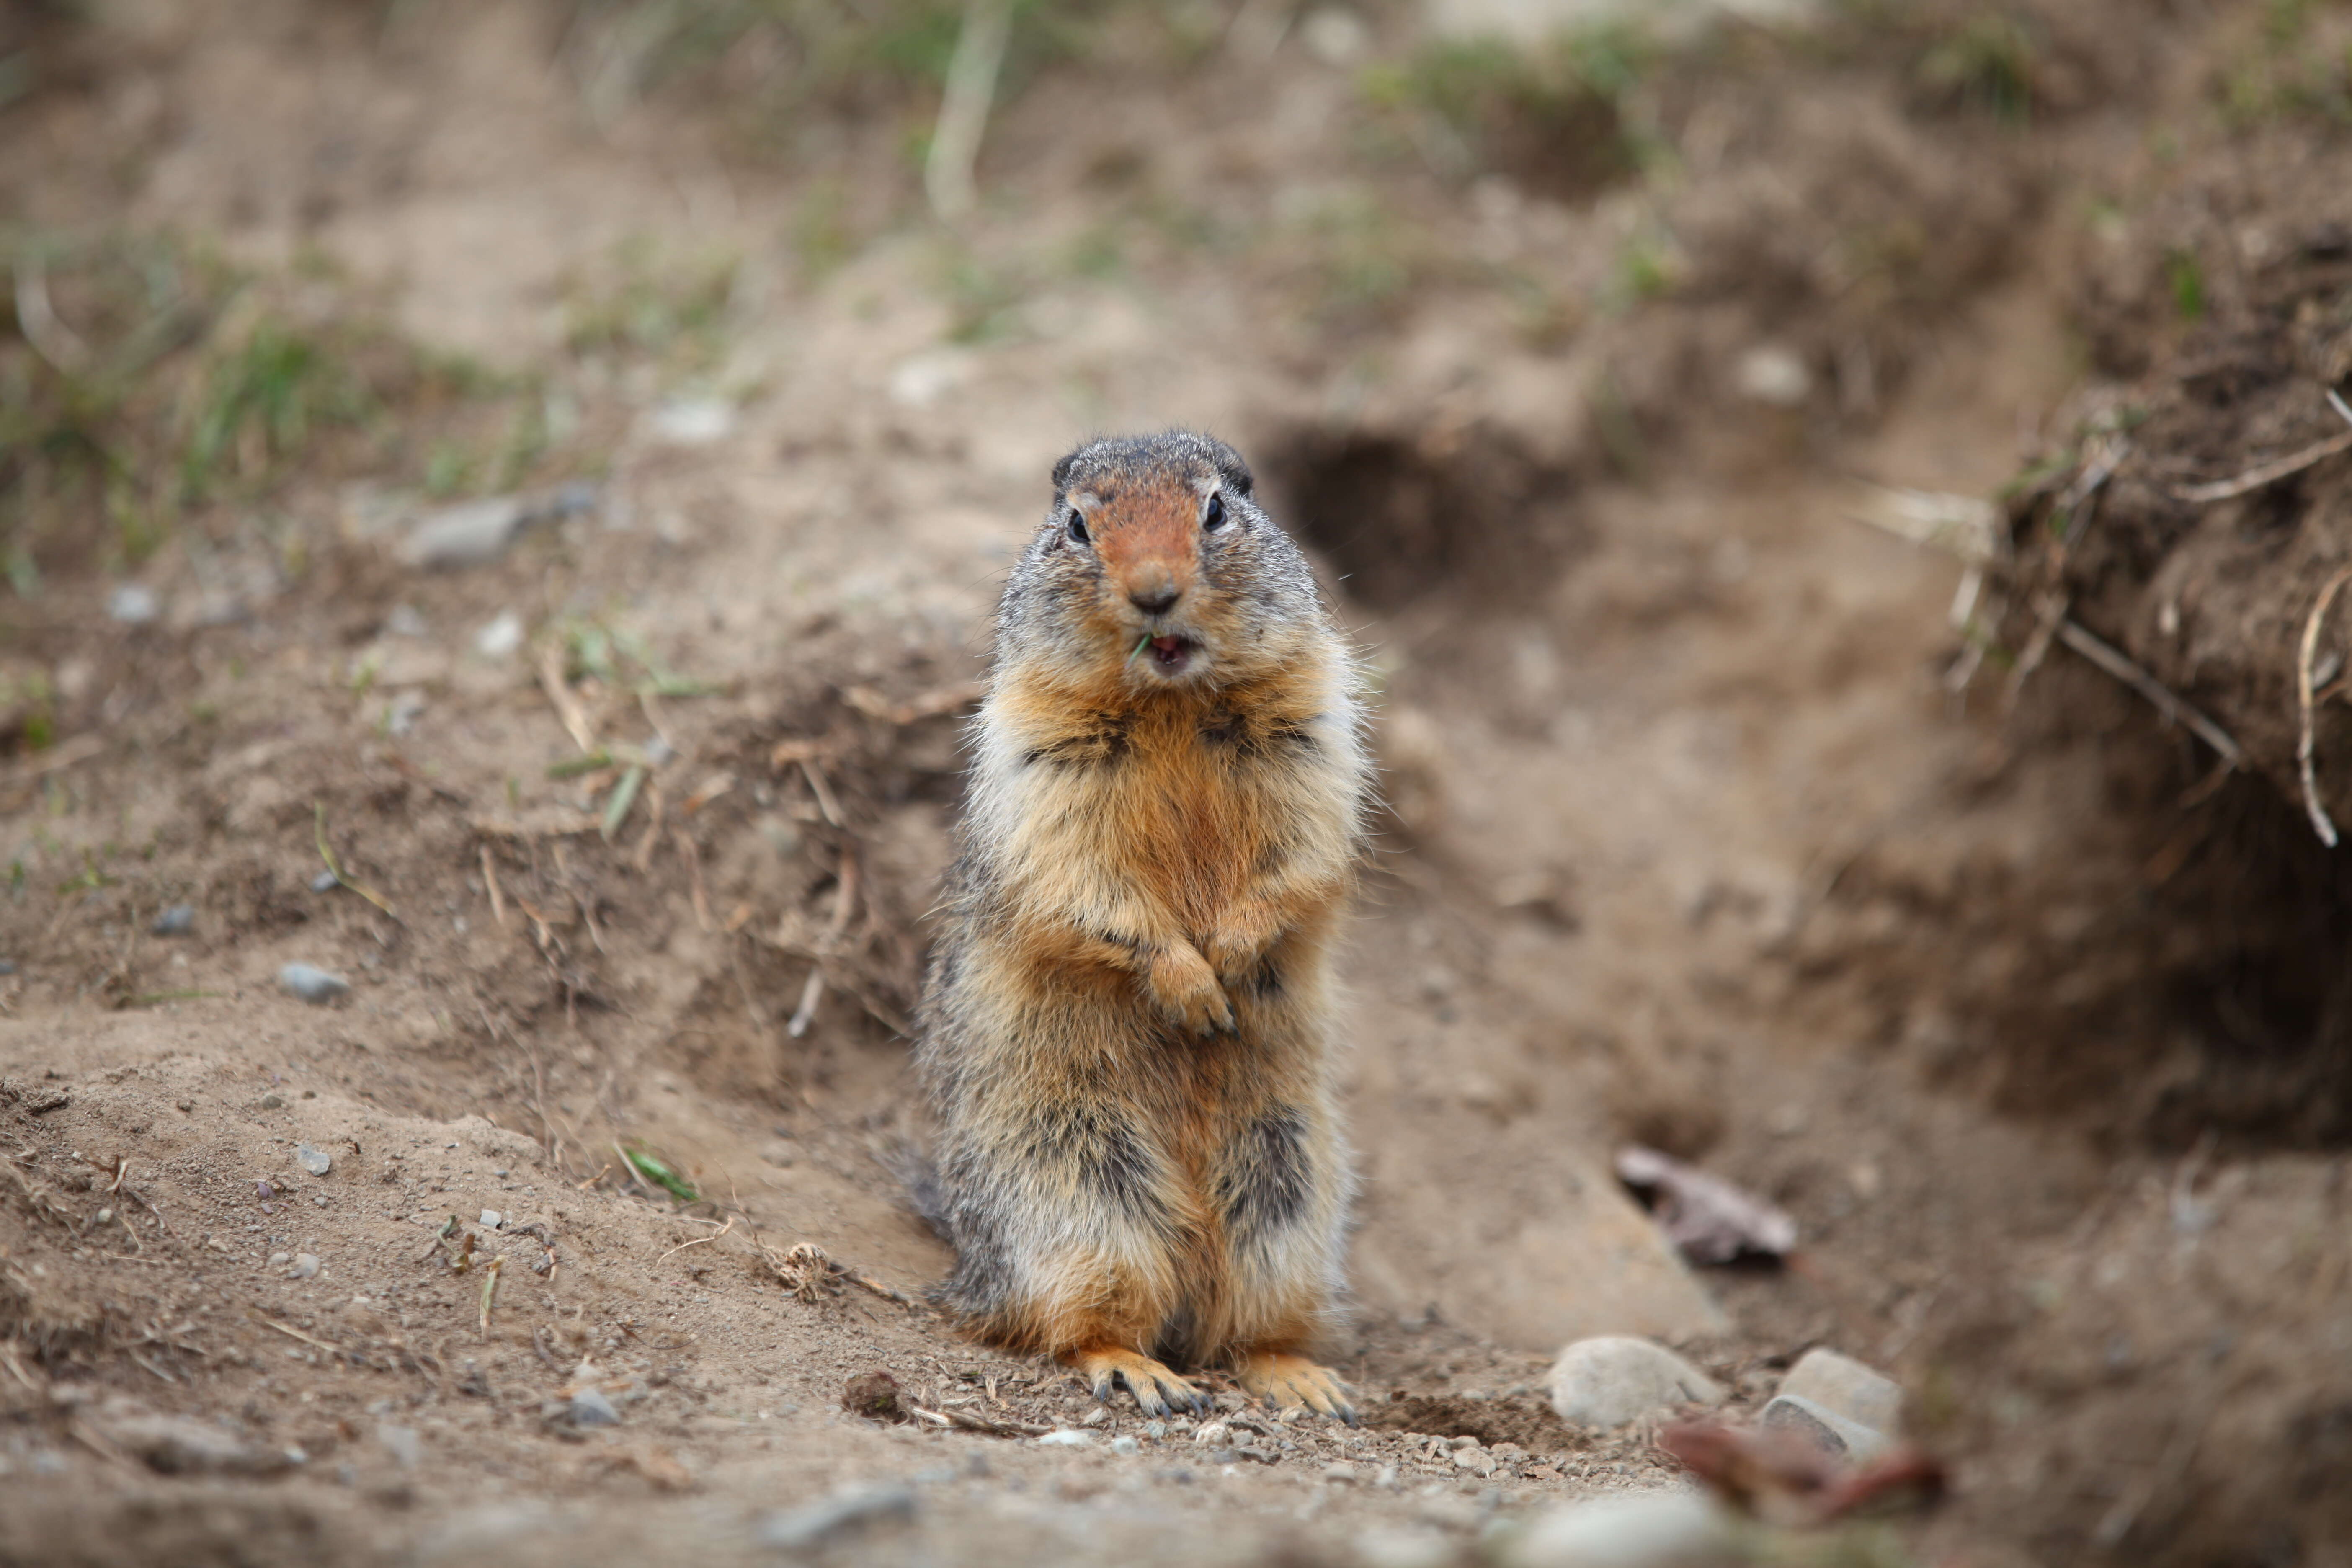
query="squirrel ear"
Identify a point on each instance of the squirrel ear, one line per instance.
(1062, 472)
(1235, 471)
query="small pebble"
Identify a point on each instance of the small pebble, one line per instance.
(324, 882)
(1065, 1438)
(134, 604)
(272, 1102)
(405, 622)
(500, 636)
(1125, 1446)
(305, 1267)
(315, 1161)
(1824, 1429)
(591, 1408)
(403, 1444)
(798, 1528)
(1651, 1530)
(492, 1219)
(280, 1259)
(313, 986)
(693, 422)
(1846, 1386)
(1614, 1379)
(177, 921)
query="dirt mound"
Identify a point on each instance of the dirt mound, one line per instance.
(2196, 530)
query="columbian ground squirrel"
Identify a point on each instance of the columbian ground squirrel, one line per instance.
(1126, 1026)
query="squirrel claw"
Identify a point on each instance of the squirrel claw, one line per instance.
(1280, 1378)
(1188, 994)
(1154, 1386)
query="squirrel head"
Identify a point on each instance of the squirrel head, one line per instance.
(1156, 568)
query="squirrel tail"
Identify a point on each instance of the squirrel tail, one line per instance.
(918, 1176)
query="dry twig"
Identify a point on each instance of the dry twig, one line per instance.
(566, 703)
(2268, 473)
(491, 880)
(2072, 633)
(2305, 756)
(698, 1241)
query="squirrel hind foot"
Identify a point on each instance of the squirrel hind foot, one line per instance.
(1158, 1391)
(1280, 1378)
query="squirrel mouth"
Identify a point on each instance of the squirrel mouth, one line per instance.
(1169, 655)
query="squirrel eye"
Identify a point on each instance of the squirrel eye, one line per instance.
(1077, 527)
(1215, 516)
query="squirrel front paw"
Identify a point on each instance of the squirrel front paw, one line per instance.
(1239, 942)
(1185, 990)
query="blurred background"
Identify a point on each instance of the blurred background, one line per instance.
(1844, 503)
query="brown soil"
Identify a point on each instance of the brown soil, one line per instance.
(1688, 841)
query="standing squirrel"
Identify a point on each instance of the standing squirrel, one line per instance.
(1126, 1024)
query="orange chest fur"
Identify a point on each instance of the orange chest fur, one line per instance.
(1192, 798)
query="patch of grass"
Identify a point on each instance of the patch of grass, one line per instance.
(789, 65)
(1358, 257)
(1556, 117)
(259, 401)
(1988, 62)
(671, 309)
(144, 384)
(2298, 66)
(2185, 277)
(1645, 270)
(984, 295)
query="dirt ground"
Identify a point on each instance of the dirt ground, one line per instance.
(627, 828)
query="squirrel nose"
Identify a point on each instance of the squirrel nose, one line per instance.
(1156, 599)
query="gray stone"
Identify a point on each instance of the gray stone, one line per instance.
(304, 1267)
(134, 604)
(178, 1446)
(318, 1161)
(692, 421)
(1651, 1530)
(1824, 1429)
(313, 986)
(591, 1408)
(1843, 1384)
(325, 882)
(798, 1528)
(500, 636)
(1610, 1380)
(1406, 1547)
(468, 534)
(403, 1444)
(475, 532)
(177, 921)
